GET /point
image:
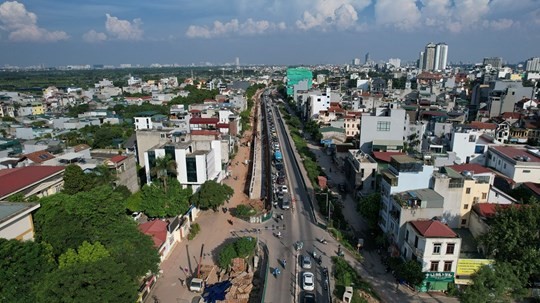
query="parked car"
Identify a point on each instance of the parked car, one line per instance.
(308, 281)
(196, 285)
(284, 189)
(136, 216)
(306, 262)
(309, 298)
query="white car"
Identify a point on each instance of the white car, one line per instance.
(308, 281)
(284, 189)
(136, 215)
(306, 262)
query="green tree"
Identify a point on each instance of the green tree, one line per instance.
(212, 195)
(84, 254)
(494, 283)
(245, 246)
(513, 238)
(242, 211)
(164, 168)
(157, 201)
(23, 264)
(75, 180)
(226, 255)
(102, 280)
(410, 271)
(369, 208)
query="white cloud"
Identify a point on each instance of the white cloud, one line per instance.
(500, 24)
(403, 14)
(22, 24)
(124, 29)
(92, 36)
(341, 14)
(250, 27)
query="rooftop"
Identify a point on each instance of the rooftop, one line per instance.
(9, 210)
(16, 179)
(518, 154)
(423, 198)
(472, 167)
(433, 229)
(157, 229)
(385, 156)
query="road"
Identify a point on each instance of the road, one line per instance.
(299, 226)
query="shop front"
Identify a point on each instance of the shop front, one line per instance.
(436, 281)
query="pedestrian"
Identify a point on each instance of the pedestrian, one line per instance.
(186, 269)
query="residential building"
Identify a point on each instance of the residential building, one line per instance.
(360, 171)
(436, 247)
(163, 240)
(317, 103)
(429, 57)
(520, 164)
(495, 62)
(197, 161)
(40, 181)
(383, 129)
(533, 65)
(124, 168)
(463, 143)
(16, 220)
(441, 57)
(352, 124)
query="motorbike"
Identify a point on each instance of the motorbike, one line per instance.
(278, 235)
(319, 260)
(323, 241)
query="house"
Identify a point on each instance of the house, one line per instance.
(124, 168)
(436, 247)
(16, 220)
(360, 171)
(163, 241)
(521, 164)
(36, 158)
(383, 129)
(40, 181)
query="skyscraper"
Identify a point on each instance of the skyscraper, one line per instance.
(237, 62)
(421, 61)
(533, 65)
(441, 55)
(429, 56)
(368, 58)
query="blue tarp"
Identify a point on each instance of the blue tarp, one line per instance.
(215, 292)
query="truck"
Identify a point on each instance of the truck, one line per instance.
(277, 156)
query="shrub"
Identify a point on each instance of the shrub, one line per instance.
(195, 229)
(242, 247)
(244, 211)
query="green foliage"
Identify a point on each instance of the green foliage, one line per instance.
(243, 211)
(195, 229)
(23, 264)
(39, 124)
(18, 197)
(75, 180)
(497, 283)
(513, 238)
(240, 248)
(123, 191)
(103, 136)
(130, 111)
(195, 96)
(211, 195)
(96, 215)
(134, 202)
(103, 280)
(345, 275)
(84, 254)
(74, 111)
(164, 168)
(410, 271)
(369, 208)
(156, 201)
(245, 119)
(250, 91)
(8, 119)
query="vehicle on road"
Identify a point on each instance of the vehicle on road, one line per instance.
(309, 298)
(196, 285)
(284, 189)
(323, 241)
(308, 281)
(306, 262)
(286, 203)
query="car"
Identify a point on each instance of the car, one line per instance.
(308, 281)
(196, 285)
(306, 262)
(309, 298)
(136, 215)
(286, 203)
(280, 180)
(284, 189)
(279, 166)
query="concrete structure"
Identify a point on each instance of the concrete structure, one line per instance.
(437, 249)
(124, 168)
(518, 163)
(429, 57)
(147, 139)
(316, 103)
(533, 65)
(386, 123)
(197, 161)
(495, 62)
(360, 170)
(441, 56)
(463, 143)
(295, 75)
(16, 220)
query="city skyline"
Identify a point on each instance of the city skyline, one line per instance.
(282, 32)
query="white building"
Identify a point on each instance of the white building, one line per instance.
(317, 103)
(518, 163)
(386, 125)
(435, 246)
(396, 62)
(143, 123)
(360, 170)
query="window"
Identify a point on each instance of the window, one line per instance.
(407, 236)
(464, 222)
(415, 241)
(191, 169)
(448, 265)
(434, 266)
(484, 196)
(383, 126)
(468, 190)
(466, 206)
(450, 248)
(504, 165)
(437, 248)
(526, 171)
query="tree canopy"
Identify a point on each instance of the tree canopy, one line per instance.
(22, 266)
(157, 201)
(513, 238)
(369, 208)
(493, 283)
(410, 271)
(211, 195)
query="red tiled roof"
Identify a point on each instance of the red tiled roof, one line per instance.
(118, 159)
(15, 179)
(78, 148)
(488, 210)
(511, 115)
(483, 125)
(203, 120)
(204, 132)
(39, 156)
(535, 187)
(222, 125)
(195, 110)
(157, 229)
(433, 229)
(513, 152)
(386, 156)
(472, 167)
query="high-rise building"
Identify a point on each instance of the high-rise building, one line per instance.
(429, 56)
(237, 62)
(441, 56)
(421, 61)
(495, 62)
(368, 58)
(396, 62)
(533, 65)
(295, 75)
(356, 61)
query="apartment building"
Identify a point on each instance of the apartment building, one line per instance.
(521, 164)
(383, 129)
(360, 171)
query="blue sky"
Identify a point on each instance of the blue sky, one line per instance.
(62, 32)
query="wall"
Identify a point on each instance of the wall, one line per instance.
(369, 132)
(20, 229)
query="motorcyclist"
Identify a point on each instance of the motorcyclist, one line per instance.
(284, 262)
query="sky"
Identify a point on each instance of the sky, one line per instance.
(283, 32)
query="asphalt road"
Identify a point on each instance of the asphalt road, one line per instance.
(299, 226)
